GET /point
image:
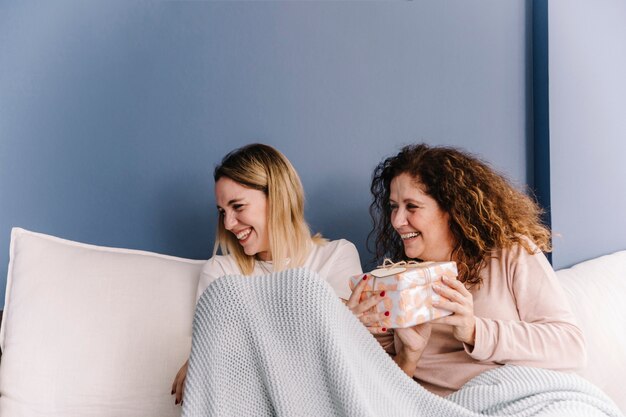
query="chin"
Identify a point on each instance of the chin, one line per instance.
(411, 253)
(249, 251)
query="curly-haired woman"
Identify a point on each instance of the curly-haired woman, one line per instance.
(442, 204)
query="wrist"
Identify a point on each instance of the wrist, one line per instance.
(409, 354)
(471, 338)
(408, 351)
(407, 362)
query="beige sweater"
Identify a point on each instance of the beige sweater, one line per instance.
(334, 261)
(522, 318)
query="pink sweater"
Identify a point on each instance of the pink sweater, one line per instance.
(522, 318)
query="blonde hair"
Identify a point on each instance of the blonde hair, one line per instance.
(264, 168)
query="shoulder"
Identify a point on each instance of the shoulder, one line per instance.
(216, 267)
(334, 247)
(334, 254)
(335, 261)
(523, 260)
(220, 265)
(523, 251)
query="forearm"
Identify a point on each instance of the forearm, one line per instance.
(546, 345)
(542, 331)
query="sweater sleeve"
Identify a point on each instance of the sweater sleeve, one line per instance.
(211, 271)
(343, 264)
(546, 334)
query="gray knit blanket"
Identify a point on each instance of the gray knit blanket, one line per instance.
(284, 345)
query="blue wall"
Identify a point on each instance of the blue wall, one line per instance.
(112, 116)
(587, 128)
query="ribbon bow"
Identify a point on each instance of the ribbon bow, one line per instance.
(388, 263)
(390, 267)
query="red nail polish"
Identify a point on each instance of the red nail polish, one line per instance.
(364, 277)
(387, 313)
(384, 329)
(382, 293)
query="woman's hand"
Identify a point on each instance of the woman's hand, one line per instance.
(413, 340)
(178, 387)
(457, 299)
(363, 309)
(410, 345)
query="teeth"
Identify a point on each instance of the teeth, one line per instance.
(409, 235)
(243, 235)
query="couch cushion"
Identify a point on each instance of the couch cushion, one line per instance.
(597, 293)
(93, 331)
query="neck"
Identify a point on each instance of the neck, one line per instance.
(263, 256)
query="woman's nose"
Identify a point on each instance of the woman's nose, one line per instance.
(398, 218)
(229, 221)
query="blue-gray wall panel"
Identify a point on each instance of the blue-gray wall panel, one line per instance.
(113, 115)
(587, 128)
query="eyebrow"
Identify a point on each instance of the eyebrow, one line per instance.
(407, 200)
(231, 202)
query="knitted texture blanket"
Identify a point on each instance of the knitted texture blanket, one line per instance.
(284, 345)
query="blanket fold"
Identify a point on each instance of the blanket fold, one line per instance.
(284, 345)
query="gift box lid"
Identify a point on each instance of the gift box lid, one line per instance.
(403, 275)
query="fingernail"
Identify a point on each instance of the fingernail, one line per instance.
(382, 293)
(384, 329)
(437, 287)
(364, 277)
(387, 313)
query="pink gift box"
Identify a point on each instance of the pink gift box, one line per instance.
(409, 293)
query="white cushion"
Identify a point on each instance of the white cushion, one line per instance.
(597, 293)
(93, 331)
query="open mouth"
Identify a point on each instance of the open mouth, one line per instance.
(407, 236)
(241, 236)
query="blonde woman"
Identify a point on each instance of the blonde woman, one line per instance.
(261, 228)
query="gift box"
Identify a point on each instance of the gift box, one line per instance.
(409, 293)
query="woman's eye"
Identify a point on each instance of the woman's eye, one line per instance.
(238, 207)
(411, 206)
(393, 207)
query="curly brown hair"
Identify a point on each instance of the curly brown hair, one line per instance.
(486, 211)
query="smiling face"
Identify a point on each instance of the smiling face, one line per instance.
(422, 224)
(244, 212)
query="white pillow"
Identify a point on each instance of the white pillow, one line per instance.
(93, 331)
(597, 294)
